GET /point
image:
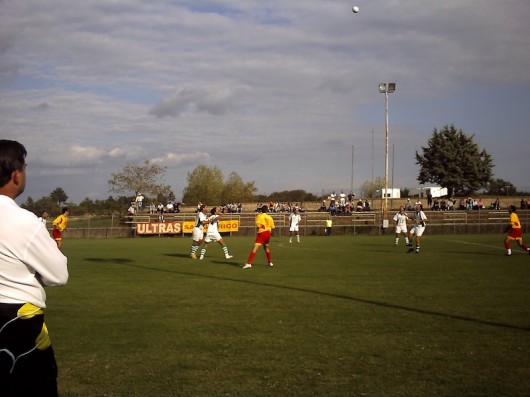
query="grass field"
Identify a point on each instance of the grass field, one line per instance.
(335, 316)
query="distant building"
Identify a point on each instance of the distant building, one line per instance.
(392, 193)
(422, 191)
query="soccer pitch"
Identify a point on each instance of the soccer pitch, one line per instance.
(335, 316)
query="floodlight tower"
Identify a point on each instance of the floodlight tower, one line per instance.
(386, 89)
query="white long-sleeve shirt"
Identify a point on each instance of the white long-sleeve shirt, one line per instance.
(29, 258)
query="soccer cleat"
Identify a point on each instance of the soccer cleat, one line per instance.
(410, 250)
(271, 264)
(201, 257)
(247, 266)
(229, 256)
(193, 256)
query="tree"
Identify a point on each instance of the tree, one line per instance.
(146, 178)
(237, 191)
(500, 187)
(59, 196)
(454, 161)
(205, 185)
(368, 188)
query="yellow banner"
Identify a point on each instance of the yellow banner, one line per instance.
(224, 226)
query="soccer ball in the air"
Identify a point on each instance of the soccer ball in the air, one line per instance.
(355, 9)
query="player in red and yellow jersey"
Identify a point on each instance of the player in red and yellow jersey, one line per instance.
(515, 232)
(59, 224)
(265, 224)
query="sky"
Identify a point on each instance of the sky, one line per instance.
(284, 93)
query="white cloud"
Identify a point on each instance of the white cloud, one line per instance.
(276, 91)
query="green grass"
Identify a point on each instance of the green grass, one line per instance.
(338, 316)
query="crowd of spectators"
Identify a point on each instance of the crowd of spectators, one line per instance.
(344, 204)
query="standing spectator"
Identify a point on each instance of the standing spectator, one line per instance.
(29, 261)
(515, 232)
(139, 202)
(264, 224)
(294, 219)
(60, 224)
(332, 199)
(418, 228)
(329, 226)
(212, 234)
(160, 209)
(429, 199)
(400, 220)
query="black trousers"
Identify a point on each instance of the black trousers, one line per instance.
(27, 363)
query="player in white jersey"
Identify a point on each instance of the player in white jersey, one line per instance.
(294, 219)
(212, 234)
(418, 228)
(401, 219)
(197, 233)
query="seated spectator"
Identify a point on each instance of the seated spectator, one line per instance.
(367, 205)
(360, 205)
(435, 205)
(443, 205)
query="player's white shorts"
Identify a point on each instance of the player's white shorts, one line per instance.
(418, 230)
(212, 237)
(293, 228)
(401, 229)
(197, 234)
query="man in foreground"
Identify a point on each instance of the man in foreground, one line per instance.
(29, 261)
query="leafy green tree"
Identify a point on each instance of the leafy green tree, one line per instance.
(205, 185)
(453, 160)
(237, 191)
(59, 196)
(368, 188)
(146, 178)
(500, 187)
(290, 196)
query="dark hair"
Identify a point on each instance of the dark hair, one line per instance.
(212, 211)
(512, 208)
(12, 158)
(265, 209)
(65, 209)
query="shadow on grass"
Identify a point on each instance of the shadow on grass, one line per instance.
(128, 262)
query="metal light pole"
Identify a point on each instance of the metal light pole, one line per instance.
(386, 89)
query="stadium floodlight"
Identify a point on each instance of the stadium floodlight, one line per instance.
(386, 89)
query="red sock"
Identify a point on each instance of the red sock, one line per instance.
(507, 246)
(269, 257)
(251, 257)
